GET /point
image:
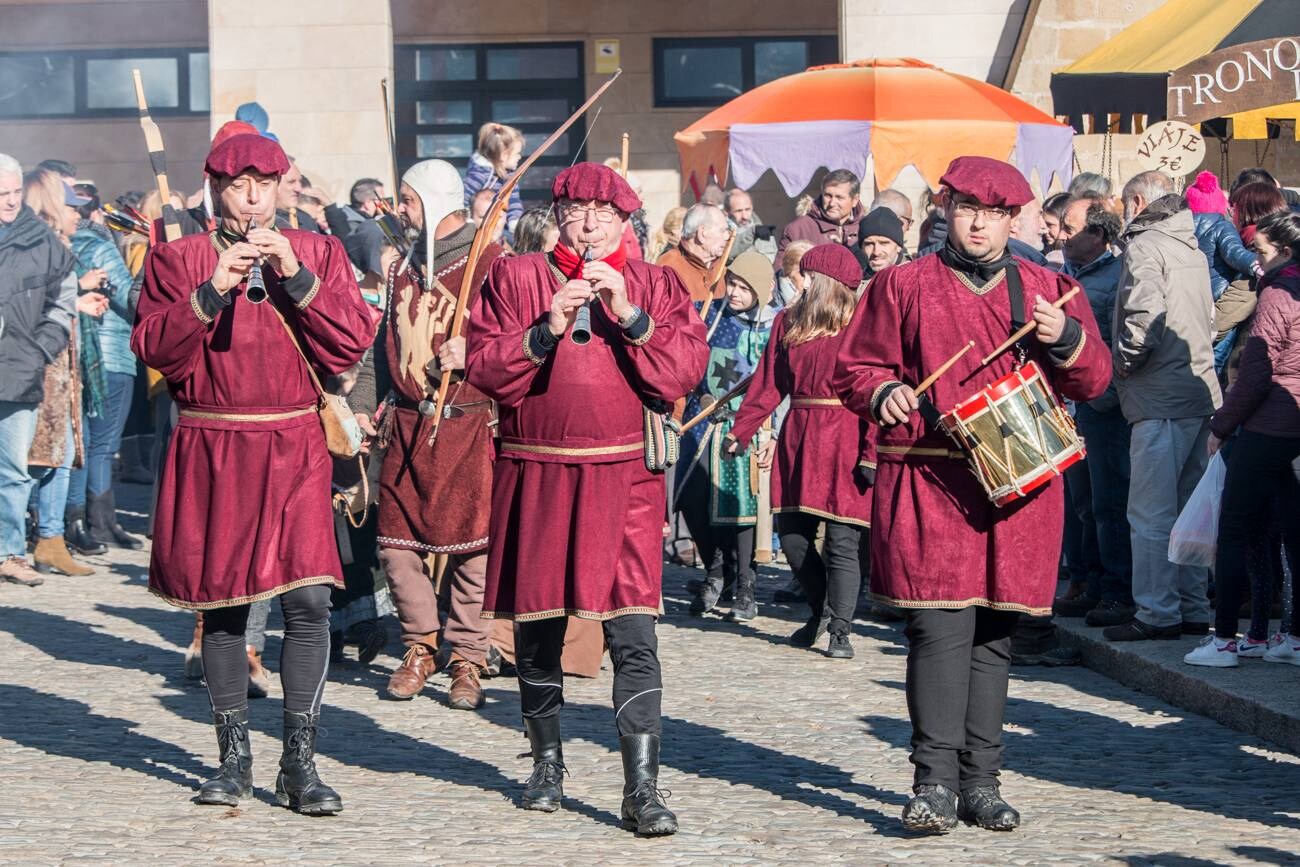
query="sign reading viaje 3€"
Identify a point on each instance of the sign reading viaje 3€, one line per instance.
(1171, 147)
(1240, 78)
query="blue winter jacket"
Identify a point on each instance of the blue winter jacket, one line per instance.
(94, 248)
(481, 176)
(1229, 260)
(1100, 281)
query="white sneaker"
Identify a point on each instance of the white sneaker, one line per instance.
(1248, 648)
(1214, 653)
(1283, 648)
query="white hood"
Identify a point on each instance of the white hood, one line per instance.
(441, 192)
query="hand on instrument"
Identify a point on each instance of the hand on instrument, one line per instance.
(275, 247)
(565, 304)
(611, 287)
(233, 265)
(765, 453)
(899, 405)
(451, 355)
(92, 304)
(1214, 445)
(92, 278)
(1051, 321)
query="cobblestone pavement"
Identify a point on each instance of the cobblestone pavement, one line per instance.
(773, 755)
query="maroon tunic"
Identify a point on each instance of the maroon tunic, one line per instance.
(243, 508)
(937, 541)
(819, 442)
(577, 519)
(433, 499)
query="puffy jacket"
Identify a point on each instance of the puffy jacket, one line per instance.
(1163, 321)
(818, 228)
(1100, 280)
(96, 250)
(1228, 258)
(1265, 397)
(35, 313)
(481, 176)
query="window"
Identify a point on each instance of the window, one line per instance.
(99, 83)
(445, 93)
(705, 72)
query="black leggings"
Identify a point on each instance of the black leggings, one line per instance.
(1260, 468)
(634, 650)
(727, 551)
(832, 578)
(304, 654)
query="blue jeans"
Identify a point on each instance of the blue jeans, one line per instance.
(52, 491)
(1107, 436)
(103, 438)
(17, 429)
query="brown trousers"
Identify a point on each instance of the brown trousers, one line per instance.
(465, 632)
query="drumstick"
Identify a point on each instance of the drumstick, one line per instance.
(1028, 327)
(943, 368)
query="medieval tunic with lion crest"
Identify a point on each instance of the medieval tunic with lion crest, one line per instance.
(433, 498)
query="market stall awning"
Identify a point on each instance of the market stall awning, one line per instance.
(1128, 75)
(897, 111)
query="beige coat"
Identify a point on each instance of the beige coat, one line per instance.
(1164, 319)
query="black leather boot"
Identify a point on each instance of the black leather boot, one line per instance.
(644, 810)
(299, 787)
(932, 810)
(101, 511)
(983, 806)
(745, 606)
(545, 787)
(707, 598)
(234, 779)
(811, 632)
(77, 534)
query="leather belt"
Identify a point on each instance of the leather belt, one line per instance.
(921, 452)
(810, 402)
(212, 415)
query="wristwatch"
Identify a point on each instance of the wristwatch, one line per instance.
(631, 319)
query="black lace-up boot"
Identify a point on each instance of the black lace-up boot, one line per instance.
(299, 787)
(545, 787)
(234, 779)
(644, 810)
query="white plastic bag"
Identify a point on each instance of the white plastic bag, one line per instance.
(1195, 536)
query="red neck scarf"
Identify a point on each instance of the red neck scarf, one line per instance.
(570, 263)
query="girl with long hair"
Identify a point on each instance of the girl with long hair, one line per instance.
(496, 155)
(817, 480)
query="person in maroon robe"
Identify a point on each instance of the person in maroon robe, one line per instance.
(817, 483)
(243, 509)
(433, 495)
(577, 518)
(962, 568)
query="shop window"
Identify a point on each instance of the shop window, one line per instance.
(707, 72)
(95, 83)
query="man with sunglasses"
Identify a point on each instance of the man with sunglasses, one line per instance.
(960, 567)
(577, 518)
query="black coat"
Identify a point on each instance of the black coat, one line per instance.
(34, 328)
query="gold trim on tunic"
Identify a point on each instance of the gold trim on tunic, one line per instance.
(644, 338)
(977, 601)
(198, 309)
(311, 293)
(248, 600)
(1074, 356)
(807, 510)
(528, 350)
(980, 290)
(245, 416)
(585, 451)
(569, 612)
(810, 402)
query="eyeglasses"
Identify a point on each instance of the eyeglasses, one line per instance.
(574, 213)
(968, 211)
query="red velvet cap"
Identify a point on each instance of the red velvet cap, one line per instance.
(990, 182)
(244, 151)
(586, 182)
(835, 261)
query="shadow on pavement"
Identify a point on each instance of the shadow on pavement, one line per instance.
(64, 727)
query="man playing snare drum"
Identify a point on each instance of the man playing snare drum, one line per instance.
(961, 567)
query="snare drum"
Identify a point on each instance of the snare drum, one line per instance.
(1016, 435)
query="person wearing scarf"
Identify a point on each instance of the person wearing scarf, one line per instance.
(432, 496)
(961, 568)
(577, 518)
(244, 510)
(716, 493)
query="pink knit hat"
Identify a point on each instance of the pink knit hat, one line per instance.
(1206, 196)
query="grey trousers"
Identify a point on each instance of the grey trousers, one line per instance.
(1168, 458)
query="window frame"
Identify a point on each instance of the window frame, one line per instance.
(480, 92)
(822, 49)
(81, 85)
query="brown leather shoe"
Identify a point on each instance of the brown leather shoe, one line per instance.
(51, 555)
(410, 677)
(259, 681)
(465, 692)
